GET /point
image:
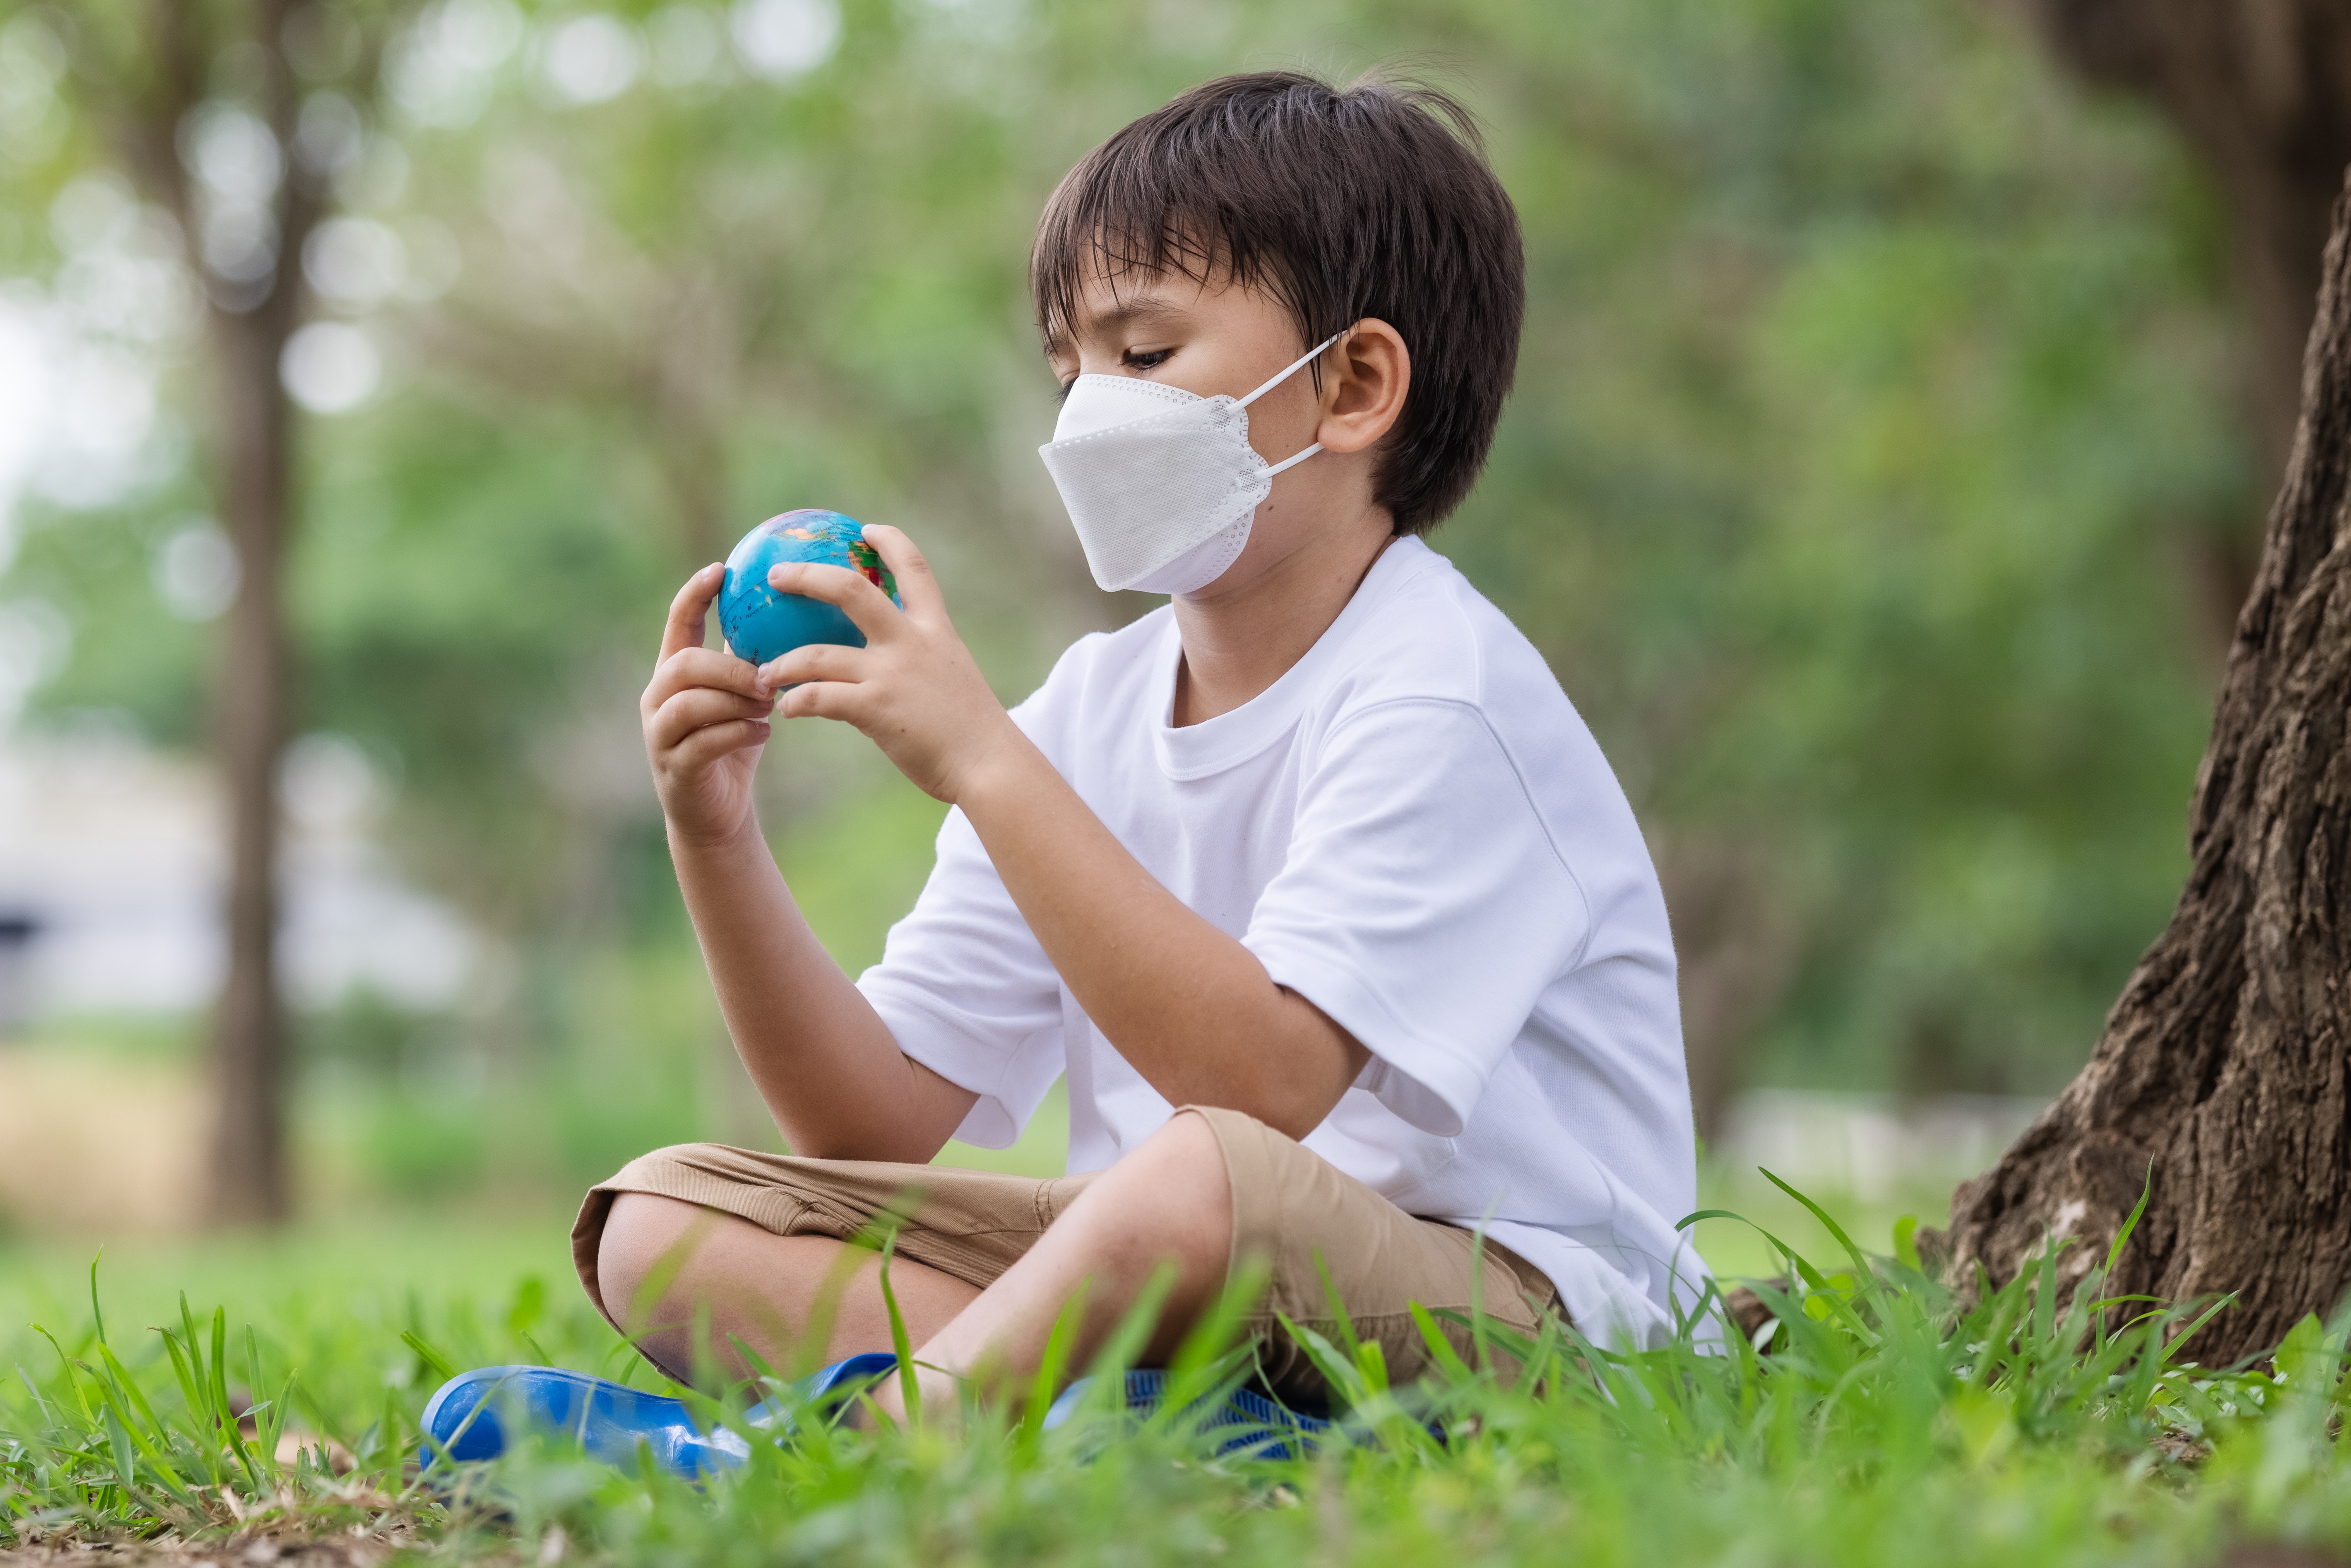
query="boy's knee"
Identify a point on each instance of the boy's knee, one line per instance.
(1184, 1155)
(640, 1229)
(1190, 1138)
(1173, 1189)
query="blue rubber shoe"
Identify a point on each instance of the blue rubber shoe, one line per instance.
(476, 1415)
(1260, 1427)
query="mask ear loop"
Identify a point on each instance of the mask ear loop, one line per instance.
(1282, 376)
(1295, 458)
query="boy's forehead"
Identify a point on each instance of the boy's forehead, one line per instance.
(1104, 303)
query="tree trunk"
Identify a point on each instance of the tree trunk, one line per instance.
(2220, 1076)
(253, 696)
(253, 702)
(1735, 960)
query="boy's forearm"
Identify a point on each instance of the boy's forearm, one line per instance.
(822, 1058)
(1190, 1008)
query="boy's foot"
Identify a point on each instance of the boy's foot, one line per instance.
(478, 1414)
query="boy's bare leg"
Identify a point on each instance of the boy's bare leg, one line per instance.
(760, 1287)
(1168, 1202)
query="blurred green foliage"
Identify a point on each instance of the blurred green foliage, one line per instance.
(1873, 399)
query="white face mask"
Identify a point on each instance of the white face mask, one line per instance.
(1162, 483)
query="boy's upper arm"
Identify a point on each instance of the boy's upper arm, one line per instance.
(1424, 906)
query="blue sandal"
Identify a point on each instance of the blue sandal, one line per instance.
(476, 1414)
(1260, 1427)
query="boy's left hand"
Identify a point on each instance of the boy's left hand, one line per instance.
(913, 689)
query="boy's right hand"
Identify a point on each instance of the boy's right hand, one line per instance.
(707, 719)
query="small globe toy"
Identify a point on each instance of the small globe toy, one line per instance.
(759, 623)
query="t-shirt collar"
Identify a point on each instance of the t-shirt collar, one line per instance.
(1228, 739)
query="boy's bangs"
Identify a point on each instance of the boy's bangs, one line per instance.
(1114, 231)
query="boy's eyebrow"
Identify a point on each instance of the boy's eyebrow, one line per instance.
(1125, 313)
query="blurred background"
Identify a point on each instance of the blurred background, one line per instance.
(1902, 386)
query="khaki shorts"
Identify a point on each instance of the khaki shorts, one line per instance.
(1289, 1205)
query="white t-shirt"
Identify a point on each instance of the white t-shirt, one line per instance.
(1414, 830)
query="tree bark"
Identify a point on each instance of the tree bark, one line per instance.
(2220, 1077)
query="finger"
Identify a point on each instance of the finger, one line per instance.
(720, 741)
(820, 699)
(815, 662)
(867, 606)
(705, 669)
(684, 715)
(688, 610)
(916, 585)
(698, 709)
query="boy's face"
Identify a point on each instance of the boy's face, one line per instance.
(1205, 338)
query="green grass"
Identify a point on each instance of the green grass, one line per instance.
(1886, 1426)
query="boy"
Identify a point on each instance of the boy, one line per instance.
(1312, 881)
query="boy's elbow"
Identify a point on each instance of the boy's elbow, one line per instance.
(899, 1140)
(1295, 1123)
(1310, 1079)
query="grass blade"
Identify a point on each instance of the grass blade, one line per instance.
(910, 1385)
(1861, 1266)
(97, 1314)
(434, 1360)
(1055, 1360)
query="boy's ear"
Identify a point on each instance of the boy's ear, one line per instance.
(1363, 386)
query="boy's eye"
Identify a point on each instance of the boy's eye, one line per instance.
(1144, 359)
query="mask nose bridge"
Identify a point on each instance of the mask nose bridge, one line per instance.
(1120, 401)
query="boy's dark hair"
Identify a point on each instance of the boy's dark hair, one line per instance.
(1371, 200)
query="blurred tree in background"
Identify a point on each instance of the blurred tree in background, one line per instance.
(233, 119)
(1875, 409)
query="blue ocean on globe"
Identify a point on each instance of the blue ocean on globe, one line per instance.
(760, 624)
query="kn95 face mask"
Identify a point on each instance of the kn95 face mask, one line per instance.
(1162, 483)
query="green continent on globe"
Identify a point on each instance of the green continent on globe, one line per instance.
(868, 561)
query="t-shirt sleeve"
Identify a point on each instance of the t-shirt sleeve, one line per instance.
(966, 991)
(1423, 905)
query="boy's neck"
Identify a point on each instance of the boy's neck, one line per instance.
(1238, 642)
